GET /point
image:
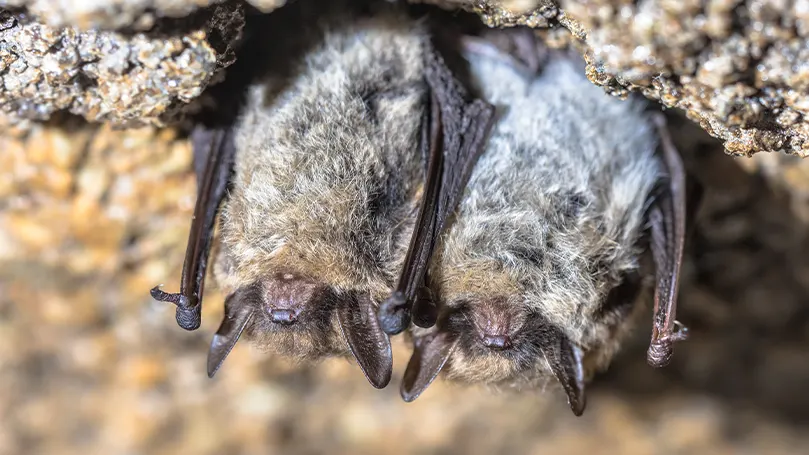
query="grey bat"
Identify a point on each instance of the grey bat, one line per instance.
(338, 167)
(538, 274)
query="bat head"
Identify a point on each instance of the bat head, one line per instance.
(493, 340)
(500, 340)
(300, 317)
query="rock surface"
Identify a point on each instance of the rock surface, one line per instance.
(91, 218)
(740, 69)
(122, 79)
(117, 14)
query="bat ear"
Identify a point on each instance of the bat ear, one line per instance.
(565, 360)
(430, 354)
(238, 315)
(369, 344)
(519, 48)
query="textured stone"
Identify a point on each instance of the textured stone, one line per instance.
(117, 14)
(126, 80)
(740, 69)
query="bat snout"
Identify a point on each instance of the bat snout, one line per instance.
(284, 316)
(289, 297)
(496, 322)
(497, 342)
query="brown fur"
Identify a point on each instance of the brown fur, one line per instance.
(327, 176)
(551, 222)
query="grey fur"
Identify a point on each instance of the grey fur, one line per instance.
(328, 173)
(550, 221)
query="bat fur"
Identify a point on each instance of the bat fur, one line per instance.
(550, 225)
(328, 174)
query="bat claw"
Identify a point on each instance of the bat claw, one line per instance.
(680, 333)
(162, 296)
(188, 316)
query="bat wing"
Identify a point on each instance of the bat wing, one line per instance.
(453, 136)
(214, 152)
(667, 218)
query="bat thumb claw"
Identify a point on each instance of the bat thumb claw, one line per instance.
(162, 296)
(662, 348)
(659, 353)
(681, 332)
(188, 316)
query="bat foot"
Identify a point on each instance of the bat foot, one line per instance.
(188, 316)
(394, 316)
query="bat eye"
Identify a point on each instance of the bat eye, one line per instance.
(498, 342)
(284, 316)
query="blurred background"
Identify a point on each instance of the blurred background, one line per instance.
(91, 218)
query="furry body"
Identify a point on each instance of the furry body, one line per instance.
(327, 177)
(550, 223)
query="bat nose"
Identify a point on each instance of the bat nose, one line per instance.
(498, 342)
(282, 316)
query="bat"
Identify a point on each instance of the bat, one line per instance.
(334, 153)
(538, 275)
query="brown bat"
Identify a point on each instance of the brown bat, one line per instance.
(324, 173)
(538, 275)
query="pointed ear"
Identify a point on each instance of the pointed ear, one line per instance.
(238, 314)
(565, 360)
(430, 354)
(517, 47)
(667, 218)
(369, 344)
